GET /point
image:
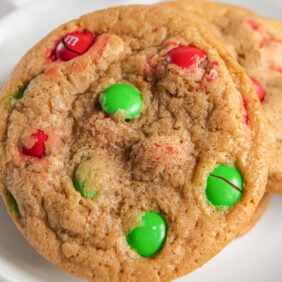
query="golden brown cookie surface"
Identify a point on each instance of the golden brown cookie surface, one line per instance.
(81, 177)
(261, 208)
(256, 43)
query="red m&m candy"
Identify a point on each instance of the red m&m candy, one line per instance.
(251, 23)
(74, 44)
(258, 88)
(38, 148)
(186, 57)
(245, 114)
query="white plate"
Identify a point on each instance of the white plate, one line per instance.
(255, 257)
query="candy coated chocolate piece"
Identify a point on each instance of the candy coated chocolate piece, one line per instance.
(258, 88)
(74, 44)
(224, 186)
(186, 57)
(16, 96)
(12, 204)
(84, 180)
(122, 99)
(148, 238)
(245, 114)
(251, 23)
(38, 149)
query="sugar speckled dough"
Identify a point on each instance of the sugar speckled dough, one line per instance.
(192, 120)
(256, 43)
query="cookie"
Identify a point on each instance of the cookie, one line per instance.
(256, 43)
(127, 151)
(221, 16)
(261, 209)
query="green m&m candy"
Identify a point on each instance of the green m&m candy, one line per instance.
(85, 180)
(150, 237)
(123, 100)
(224, 186)
(12, 204)
(17, 95)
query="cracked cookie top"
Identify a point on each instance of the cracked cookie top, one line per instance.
(128, 152)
